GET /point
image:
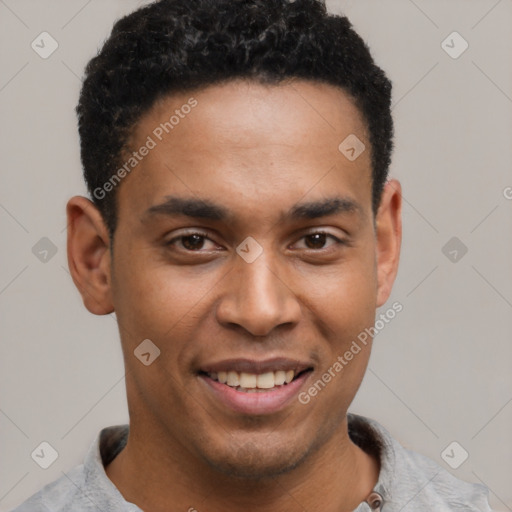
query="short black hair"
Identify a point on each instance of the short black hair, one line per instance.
(184, 45)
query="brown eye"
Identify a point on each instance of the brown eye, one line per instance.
(192, 242)
(317, 240)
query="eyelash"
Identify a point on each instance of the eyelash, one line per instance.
(205, 235)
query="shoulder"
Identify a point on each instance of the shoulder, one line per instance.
(57, 496)
(422, 481)
(410, 481)
(86, 488)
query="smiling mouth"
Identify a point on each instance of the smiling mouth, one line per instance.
(256, 383)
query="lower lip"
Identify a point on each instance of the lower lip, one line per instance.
(260, 402)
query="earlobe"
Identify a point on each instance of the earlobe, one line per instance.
(389, 238)
(88, 248)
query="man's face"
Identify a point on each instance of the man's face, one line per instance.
(271, 287)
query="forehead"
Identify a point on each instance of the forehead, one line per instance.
(249, 144)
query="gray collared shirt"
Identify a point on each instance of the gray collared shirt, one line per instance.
(408, 481)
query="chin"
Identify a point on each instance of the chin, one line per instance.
(252, 462)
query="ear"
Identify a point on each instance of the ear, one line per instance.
(389, 238)
(89, 255)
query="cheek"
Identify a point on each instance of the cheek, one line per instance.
(157, 301)
(346, 307)
(345, 296)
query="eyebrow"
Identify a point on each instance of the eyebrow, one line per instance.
(206, 209)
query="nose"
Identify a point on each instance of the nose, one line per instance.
(258, 297)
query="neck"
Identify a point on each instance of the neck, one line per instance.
(152, 474)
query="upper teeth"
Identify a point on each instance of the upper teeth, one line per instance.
(251, 380)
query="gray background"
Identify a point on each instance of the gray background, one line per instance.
(440, 371)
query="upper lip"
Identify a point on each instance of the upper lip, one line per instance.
(256, 367)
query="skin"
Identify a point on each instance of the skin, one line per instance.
(257, 150)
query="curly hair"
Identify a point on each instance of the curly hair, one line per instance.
(183, 45)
